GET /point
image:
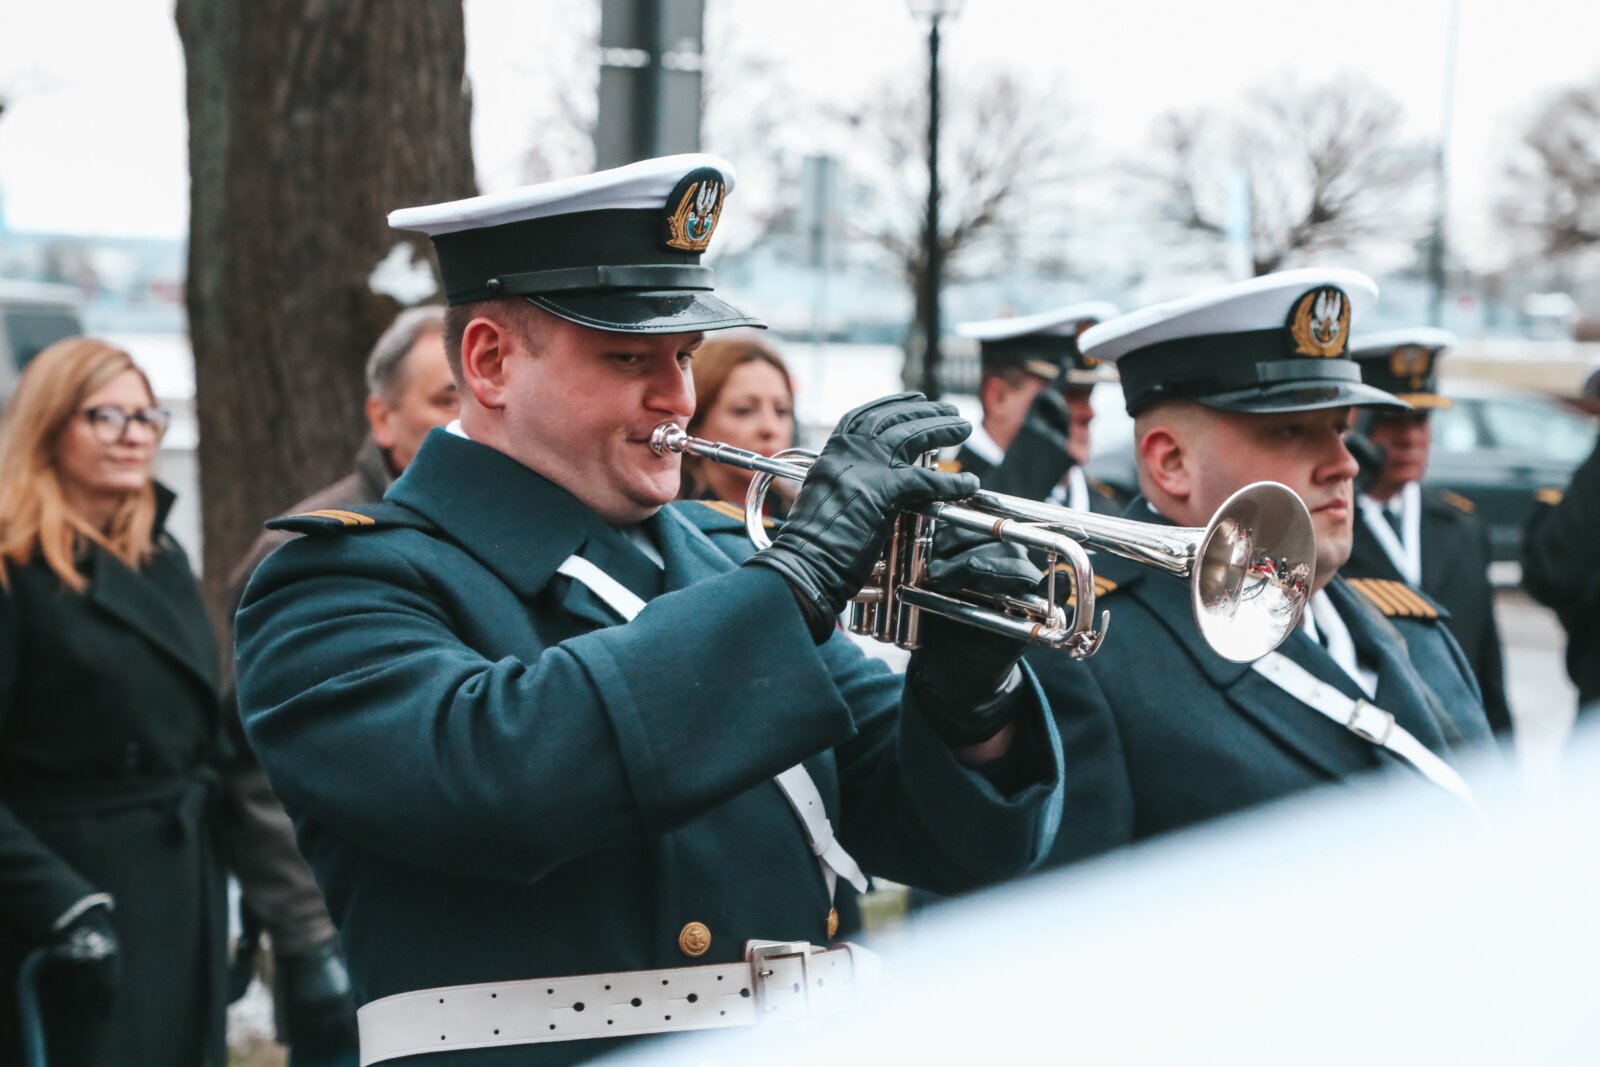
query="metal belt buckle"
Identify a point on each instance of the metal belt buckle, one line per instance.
(1358, 724)
(781, 979)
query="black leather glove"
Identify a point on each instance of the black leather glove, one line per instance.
(837, 528)
(965, 679)
(316, 1012)
(1038, 458)
(83, 960)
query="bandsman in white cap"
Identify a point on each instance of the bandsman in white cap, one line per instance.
(565, 773)
(1246, 383)
(1428, 539)
(1035, 389)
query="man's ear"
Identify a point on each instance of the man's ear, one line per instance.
(991, 392)
(378, 421)
(485, 347)
(1165, 459)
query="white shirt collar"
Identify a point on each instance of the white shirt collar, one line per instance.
(981, 443)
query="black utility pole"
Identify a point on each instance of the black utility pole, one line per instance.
(931, 326)
(649, 79)
(1441, 186)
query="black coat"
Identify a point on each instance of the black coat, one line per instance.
(1158, 732)
(108, 715)
(1455, 572)
(1561, 569)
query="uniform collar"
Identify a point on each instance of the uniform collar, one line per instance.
(984, 445)
(517, 523)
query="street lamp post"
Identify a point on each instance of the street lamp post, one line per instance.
(934, 11)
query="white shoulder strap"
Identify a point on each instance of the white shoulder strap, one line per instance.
(795, 783)
(1364, 720)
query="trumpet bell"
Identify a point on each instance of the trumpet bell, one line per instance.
(1254, 568)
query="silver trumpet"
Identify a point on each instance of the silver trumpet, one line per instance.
(1249, 569)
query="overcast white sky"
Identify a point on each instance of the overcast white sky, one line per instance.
(94, 139)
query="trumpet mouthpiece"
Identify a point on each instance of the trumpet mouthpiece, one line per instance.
(668, 437)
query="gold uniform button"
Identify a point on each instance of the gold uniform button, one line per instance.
(833, 922)
(694, 939)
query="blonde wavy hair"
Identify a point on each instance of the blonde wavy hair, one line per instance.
(35, 517)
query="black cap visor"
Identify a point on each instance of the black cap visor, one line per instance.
(645, 311)
(1312, 394)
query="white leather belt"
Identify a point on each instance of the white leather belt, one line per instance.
(779, 981)
(1367, 721)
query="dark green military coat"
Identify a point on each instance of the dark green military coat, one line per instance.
(108, 724)
(1455, 572)
(1561, 568)
(494, 780)
(1159, 732)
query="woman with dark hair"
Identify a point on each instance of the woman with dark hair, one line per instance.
(743, 397)
(108, 716)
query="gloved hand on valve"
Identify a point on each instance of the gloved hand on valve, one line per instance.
(866, 473)
(966, 679)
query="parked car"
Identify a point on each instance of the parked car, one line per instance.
(33, 315)
(1497, 447)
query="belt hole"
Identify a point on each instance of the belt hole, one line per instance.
(668, 1018)
(550, 991)
(663, 981)
(719, 977)
(441, 1000)
(635, 1002)
(608, 987)
(608, 1022)
(552, 1026)
(694, 998)
(722, 1013)
(797, 987)
(578, 1006)
(744, 992)
(497, 1033)
(493, 996)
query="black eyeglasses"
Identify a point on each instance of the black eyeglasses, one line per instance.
(110, 423)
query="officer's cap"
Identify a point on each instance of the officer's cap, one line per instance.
(1270, 344)
(1405, 363)
(618, 250)
(1045, 345)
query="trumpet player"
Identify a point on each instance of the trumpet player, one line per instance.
(1246, 383)
(566, 774)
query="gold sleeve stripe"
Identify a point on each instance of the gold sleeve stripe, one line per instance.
(1102, 585)
(953, 466)
(348, 518)
(1457, 501)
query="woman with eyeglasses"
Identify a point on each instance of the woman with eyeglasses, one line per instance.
(110, 880)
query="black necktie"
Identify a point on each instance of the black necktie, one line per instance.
(1395, 524)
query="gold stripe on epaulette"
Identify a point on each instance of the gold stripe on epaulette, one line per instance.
(347, 518)
(1550, 496)
(1102, 488)
(1457, 501)
(722, 507)
(950, 466)
(1394, 599)
(1102, 585)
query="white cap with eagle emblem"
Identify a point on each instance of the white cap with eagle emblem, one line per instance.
(1280, 342)
(616, 250)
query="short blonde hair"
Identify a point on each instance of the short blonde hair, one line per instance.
(35, 518)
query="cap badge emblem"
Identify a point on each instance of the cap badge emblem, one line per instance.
(696, 204)
(1320, 323)
(1410, 362)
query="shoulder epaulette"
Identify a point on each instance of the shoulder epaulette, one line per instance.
(1102, 584)
(713, 516)
(1457, 501)
(1550, 495)
(356, 517)
(1103, 488)
(1396, 600)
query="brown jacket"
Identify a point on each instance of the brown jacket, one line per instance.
(275, 881)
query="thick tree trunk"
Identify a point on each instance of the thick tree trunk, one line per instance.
(309, 120)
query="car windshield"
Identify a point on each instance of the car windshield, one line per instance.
(1518, 425)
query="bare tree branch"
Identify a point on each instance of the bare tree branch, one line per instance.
(1323, 164)
(1554, 176)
